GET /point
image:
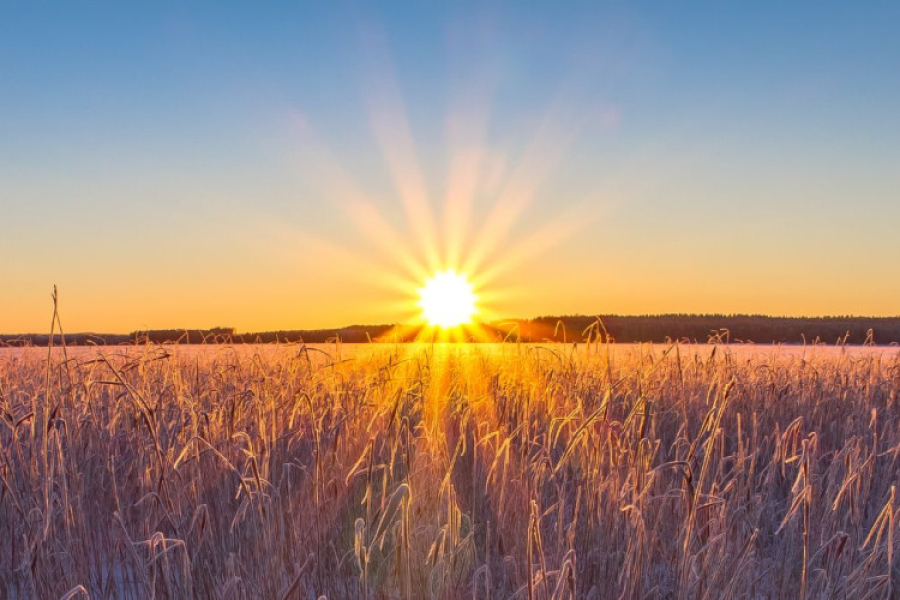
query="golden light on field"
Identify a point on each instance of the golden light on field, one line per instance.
(447, 299)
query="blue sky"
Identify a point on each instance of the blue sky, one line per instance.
(164, 164)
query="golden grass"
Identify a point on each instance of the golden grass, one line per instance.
(418, 471)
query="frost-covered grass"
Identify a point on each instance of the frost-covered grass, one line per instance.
(416, 471)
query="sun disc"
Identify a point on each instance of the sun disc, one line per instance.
(447, 300)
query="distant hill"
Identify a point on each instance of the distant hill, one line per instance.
(759, 329)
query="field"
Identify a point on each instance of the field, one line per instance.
(471, 471)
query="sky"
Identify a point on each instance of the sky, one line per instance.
(300, 165)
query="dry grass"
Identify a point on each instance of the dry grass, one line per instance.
(449, 472)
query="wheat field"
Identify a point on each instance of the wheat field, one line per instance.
(449, 471)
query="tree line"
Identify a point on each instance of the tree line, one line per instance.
(758, 329)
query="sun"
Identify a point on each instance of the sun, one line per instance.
(447, 299)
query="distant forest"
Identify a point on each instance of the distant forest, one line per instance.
(651, 328)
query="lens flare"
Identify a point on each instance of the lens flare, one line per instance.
(447, 300)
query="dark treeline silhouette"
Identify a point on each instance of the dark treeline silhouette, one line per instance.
(216, 335)
(353, 334)
(575, 328)
(72, 339)
(759, 329)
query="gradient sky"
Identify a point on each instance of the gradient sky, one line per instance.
(264, 166)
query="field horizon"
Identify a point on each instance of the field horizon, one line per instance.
(742, 328)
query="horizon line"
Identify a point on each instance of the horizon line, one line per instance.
(495, 322)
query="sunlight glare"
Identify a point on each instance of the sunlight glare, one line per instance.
(447, 300)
